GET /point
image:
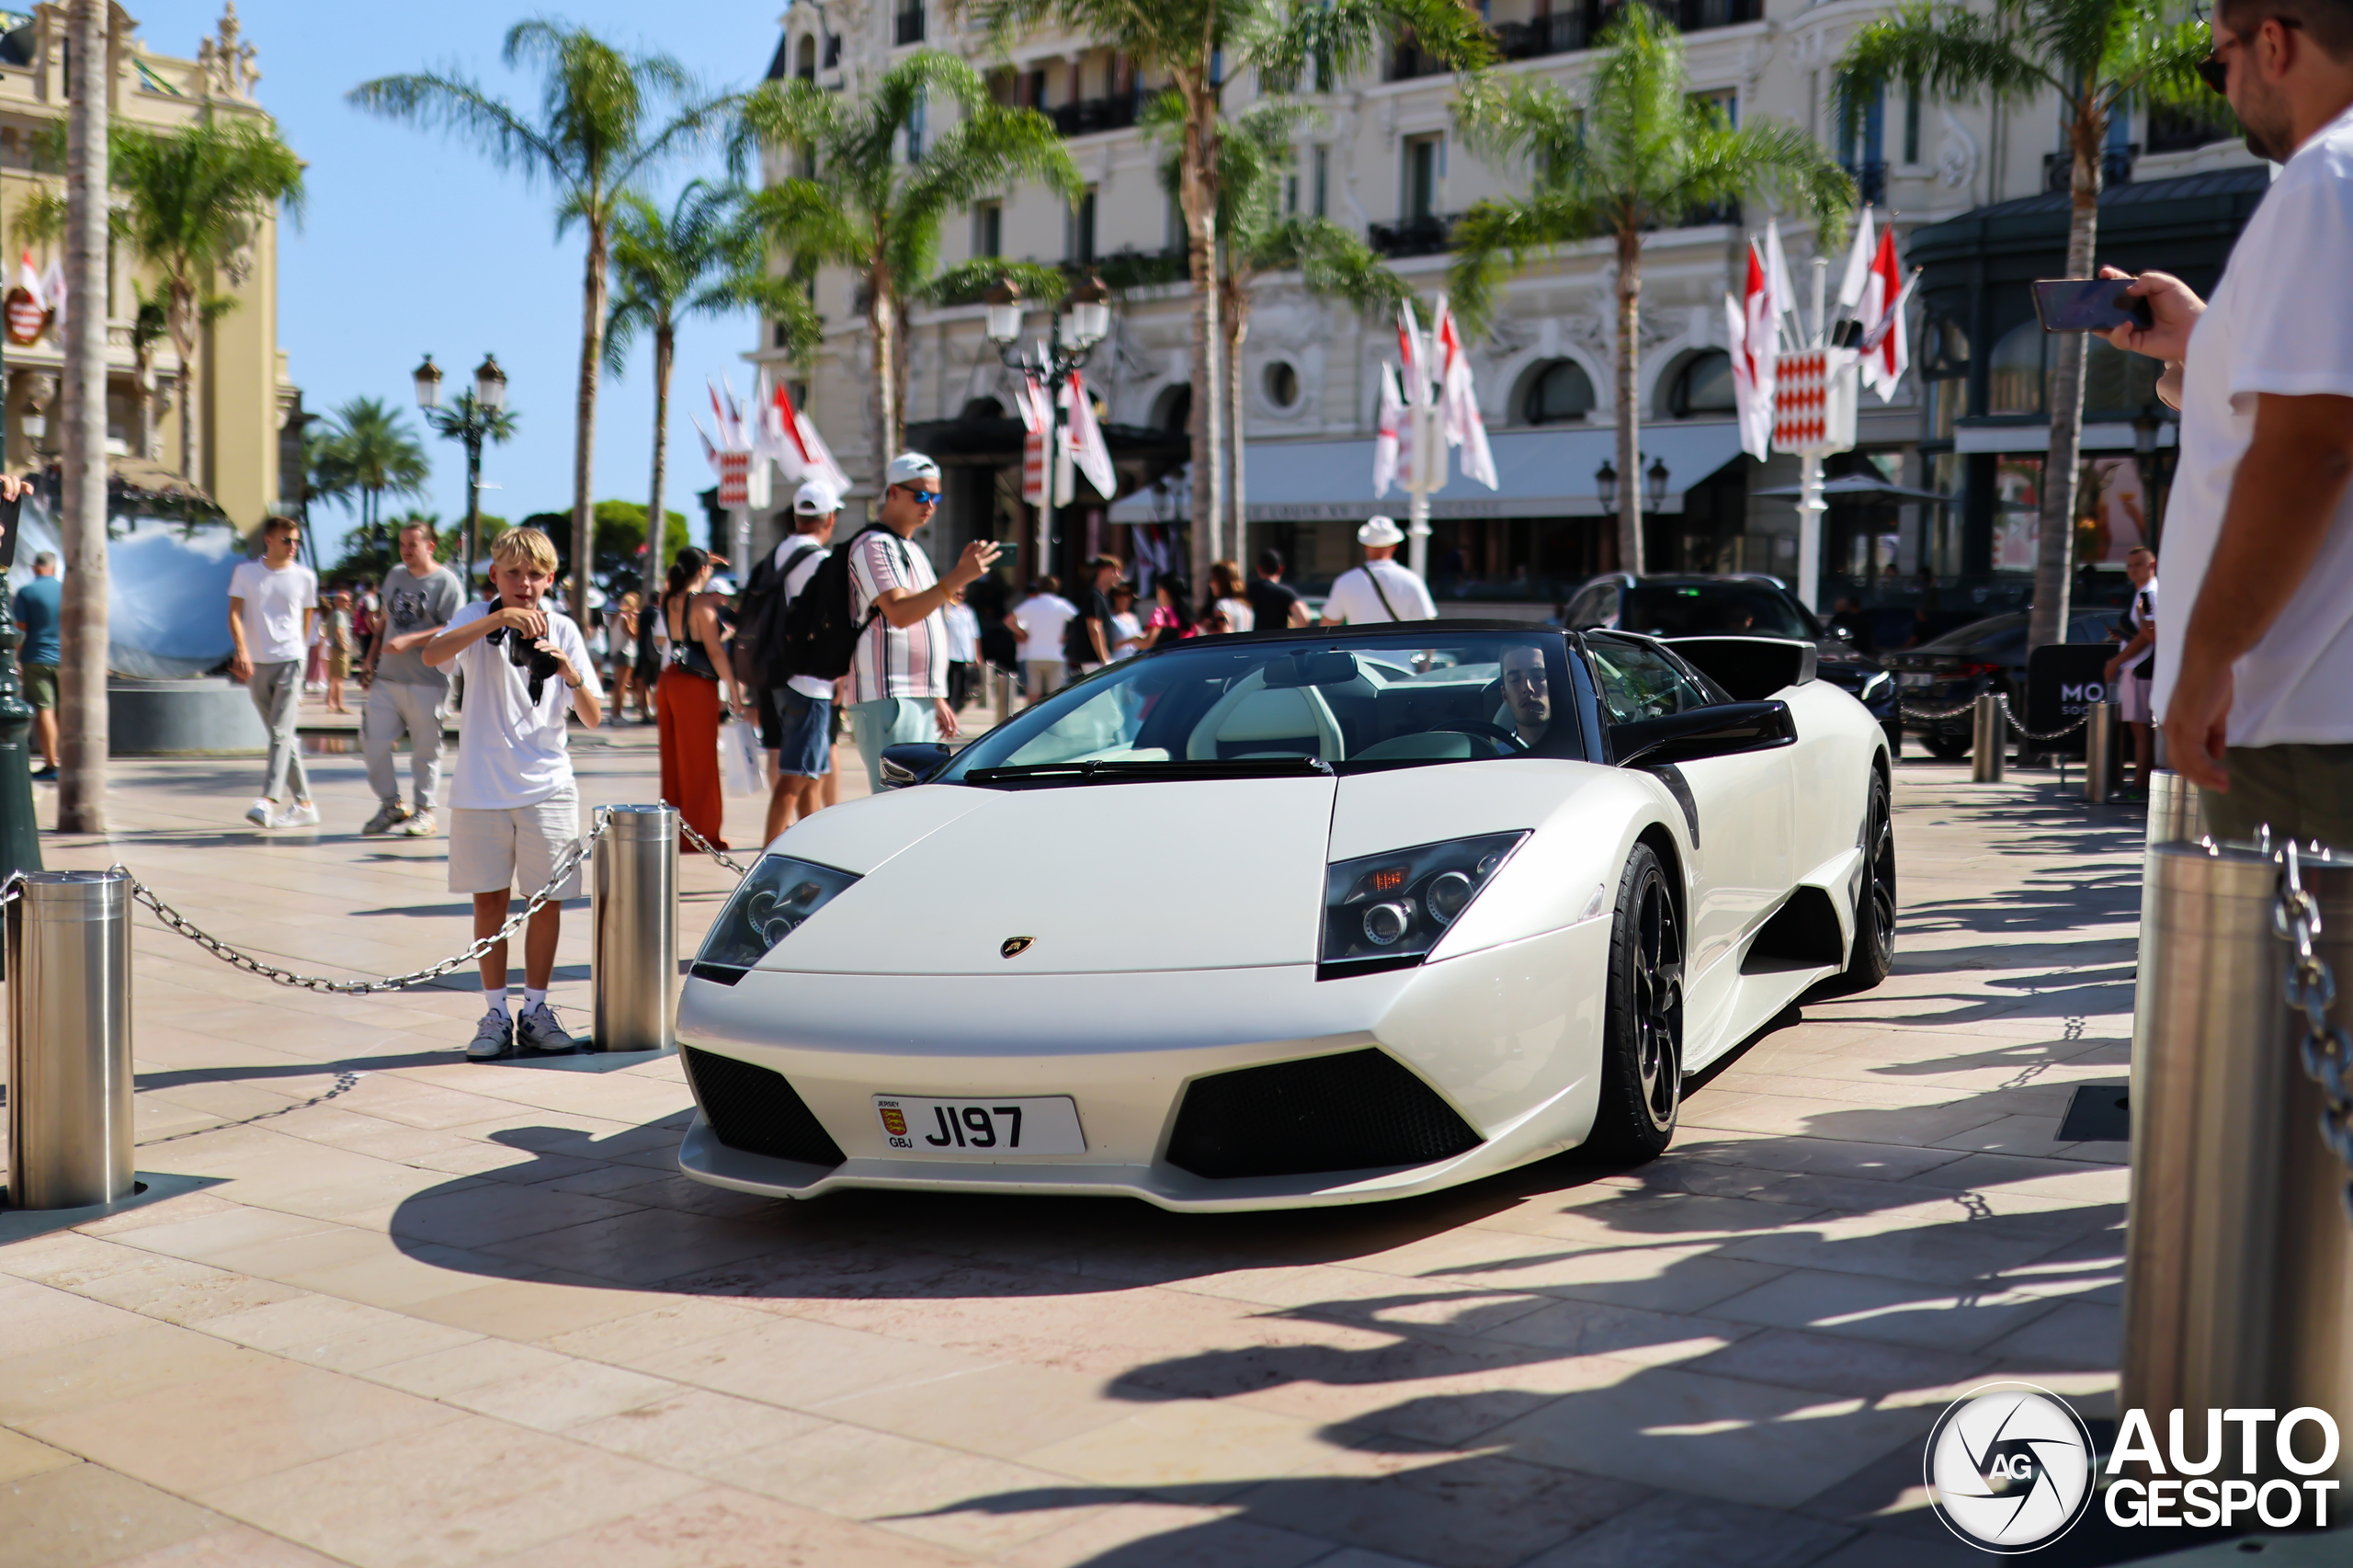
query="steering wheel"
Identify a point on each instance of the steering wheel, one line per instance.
(1480, 727)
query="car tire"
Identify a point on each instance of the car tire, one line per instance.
(1874, 954)
(1946, 748)
(1641, 1035)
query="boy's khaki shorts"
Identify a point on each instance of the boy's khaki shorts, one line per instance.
(515, 849)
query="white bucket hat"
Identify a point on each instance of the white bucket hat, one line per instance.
(1381, 533)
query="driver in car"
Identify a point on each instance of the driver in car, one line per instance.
(1528, 693)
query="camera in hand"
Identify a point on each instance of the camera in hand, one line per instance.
(524, 657)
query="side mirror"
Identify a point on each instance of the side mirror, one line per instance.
(914, 762)
(1727, 729)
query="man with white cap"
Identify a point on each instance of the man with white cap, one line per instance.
(899, 675)
(803, 705)
(1380, 590)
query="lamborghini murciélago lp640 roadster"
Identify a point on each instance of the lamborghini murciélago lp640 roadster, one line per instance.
(1298, 917)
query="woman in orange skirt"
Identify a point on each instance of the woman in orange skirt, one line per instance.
(695, 692)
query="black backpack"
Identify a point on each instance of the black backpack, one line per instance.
(818, 637)
(759, 621)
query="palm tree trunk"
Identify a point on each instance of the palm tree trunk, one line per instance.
(882, 352)
(583, 433)
(81, 748)
(187, 345)
(656, 533)
(1200, 203)
(1629, 459)
(1237, 315)
(2056, 546)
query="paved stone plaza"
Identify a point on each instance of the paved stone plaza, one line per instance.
(413, 1312)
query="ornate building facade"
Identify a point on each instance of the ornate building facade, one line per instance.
(1382, 157)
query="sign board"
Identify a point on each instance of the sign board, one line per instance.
(743, 480)
(2063, 681)
(1814, 402)
(26, 316)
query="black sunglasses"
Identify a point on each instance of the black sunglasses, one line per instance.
(2215, 72)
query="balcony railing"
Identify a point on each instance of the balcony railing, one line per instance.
(1412, 237)
(1087, 116)
(1559, 33)
(1870, 180)
(2171, 131)
(2115, 167)
(911, 26)
(1579, 25)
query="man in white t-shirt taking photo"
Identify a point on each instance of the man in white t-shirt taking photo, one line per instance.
(804, 704)
(1380, 590)
(2258, 710)
(513, 807)
(271, 604)
(899, 674)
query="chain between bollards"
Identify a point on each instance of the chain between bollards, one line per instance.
(2310, 988)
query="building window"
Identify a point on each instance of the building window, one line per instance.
(1081, 246)
(1290, 194)
(1725, 101)
(2015, 377)
(1425, 168)
(1320, 166)
(988, 229)
(918, 114)
(833, 50)
(1557, 393)
(1862, 148)
(1280, 382)
(808, 68)
(1702, 387)
(1912, 125)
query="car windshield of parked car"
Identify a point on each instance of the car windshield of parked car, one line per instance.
(1690, 609)
(2001, 639)
(1218, 706)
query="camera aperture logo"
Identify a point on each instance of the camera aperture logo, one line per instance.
(2010, 1467)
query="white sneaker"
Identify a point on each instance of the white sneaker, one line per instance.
(301, 814)
(493, 1036)
(263, 812)
(419, 824)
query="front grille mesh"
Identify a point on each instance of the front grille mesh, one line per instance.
(753, 1108)
(1362, 1110)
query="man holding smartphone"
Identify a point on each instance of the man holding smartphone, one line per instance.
(2258, 710)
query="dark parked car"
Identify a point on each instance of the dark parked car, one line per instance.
(1700, 605)
(1985, 655)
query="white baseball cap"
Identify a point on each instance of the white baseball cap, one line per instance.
(909, 467)
(815, 498)
(1380, 532)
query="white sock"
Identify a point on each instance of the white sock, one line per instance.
(534, 998)
(497, 1000)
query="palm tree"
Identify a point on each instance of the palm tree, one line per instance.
(81, 749)
(193, 201)
(593, 137)
(1201, 45)
(864, 203)
(367, 453)
(1634, 155)
(2095, 56)
(1255, 152)
(702, 258)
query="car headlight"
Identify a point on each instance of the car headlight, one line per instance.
(1878, 685)
(1388, 911)
(770, 903)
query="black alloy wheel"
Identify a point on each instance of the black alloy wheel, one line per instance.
(1874, 950)
(1642, 1067)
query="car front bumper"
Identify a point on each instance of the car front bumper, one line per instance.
(1508, 1037)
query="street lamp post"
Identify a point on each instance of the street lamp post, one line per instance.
(1085, 323)
(1653, 493)
(474, 415)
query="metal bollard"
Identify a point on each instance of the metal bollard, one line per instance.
(69, 1040)
(634, 965)
(2099, 752)
(2238, 1287)
(2177, 814)
(1987, 738)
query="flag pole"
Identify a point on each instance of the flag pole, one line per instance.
(1809, 502)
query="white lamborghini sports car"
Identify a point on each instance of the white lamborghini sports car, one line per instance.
(1297, 917)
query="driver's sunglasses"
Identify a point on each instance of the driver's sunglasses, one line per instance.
(2215, 71)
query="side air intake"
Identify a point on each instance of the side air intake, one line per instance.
(753, 1110)
(1362, 1110)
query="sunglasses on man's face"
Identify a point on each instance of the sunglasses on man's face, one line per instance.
(2215, 71)
(921, 497)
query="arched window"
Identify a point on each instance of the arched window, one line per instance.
(808, 71)
(1557, 393)
(1173, 410)
(1703, 386)
(2013, 383)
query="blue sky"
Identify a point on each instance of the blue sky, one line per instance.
(413, 242)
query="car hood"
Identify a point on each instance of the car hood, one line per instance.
(1201, 874)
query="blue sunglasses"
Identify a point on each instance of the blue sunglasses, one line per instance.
(921, 497)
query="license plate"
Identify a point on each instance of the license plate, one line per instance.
(1916, 679)
(990, 1126)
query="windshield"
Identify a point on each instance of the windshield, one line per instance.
(1220, 706)
(1685, 610)
(2003, 637)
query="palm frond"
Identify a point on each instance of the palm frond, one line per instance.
(1946, 50)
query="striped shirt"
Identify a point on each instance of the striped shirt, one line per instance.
(893, 661)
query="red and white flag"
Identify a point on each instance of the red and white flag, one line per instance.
(1755, 341)
(1459, 402)
(1088, 449)
(1413, 364)
(1859, 266)
(1886, 347)
(30, 280)
(1389, 462)
(1029, 398)
(52, 294)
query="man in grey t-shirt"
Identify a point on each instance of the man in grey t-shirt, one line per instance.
(405, 693)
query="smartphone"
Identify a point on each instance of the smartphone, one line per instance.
(2089, 305)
